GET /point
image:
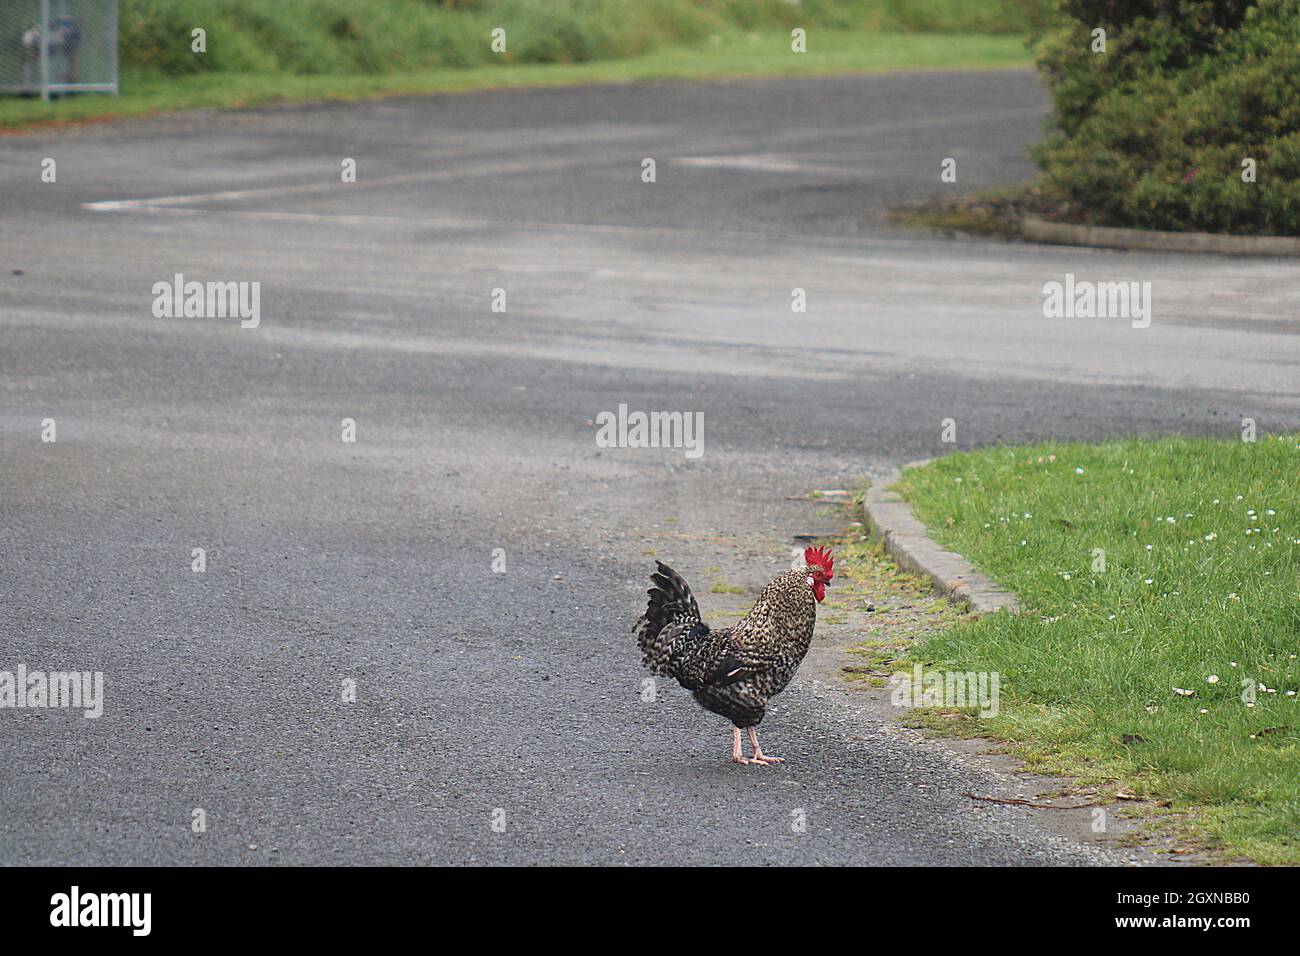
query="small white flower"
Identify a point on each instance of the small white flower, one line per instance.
(1149, 581)
(1211, 536)
(1078, 471)
(1212, 679)
(1204, 711)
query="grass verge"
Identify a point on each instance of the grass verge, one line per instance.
(991, 212)
(728, 55)
(1157, 655)
(889, 608)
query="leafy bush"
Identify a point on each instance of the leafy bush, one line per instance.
(1153, 133)
(930, 16)
(381, 36)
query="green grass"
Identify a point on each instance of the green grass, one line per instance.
(1201, 542)
(723, 586)
(730, 54)
(998, 211)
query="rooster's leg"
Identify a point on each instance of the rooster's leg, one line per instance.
(759, 756)
(736, 755)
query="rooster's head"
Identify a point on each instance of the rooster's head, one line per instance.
(821, 568)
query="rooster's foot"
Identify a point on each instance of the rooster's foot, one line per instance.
(736, 755)
(765, 760)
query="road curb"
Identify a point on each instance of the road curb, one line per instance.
(1064, 233)
(890, 520)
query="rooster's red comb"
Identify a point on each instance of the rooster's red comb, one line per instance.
(820, 556)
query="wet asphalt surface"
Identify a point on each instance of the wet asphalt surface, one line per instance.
(517, 695)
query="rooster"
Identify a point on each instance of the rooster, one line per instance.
(735, 671)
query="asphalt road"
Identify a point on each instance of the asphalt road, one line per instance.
(480, 692)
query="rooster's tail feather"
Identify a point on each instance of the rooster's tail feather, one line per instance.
(670, 616)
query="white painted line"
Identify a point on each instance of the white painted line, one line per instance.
(234, 195)
(765, 163)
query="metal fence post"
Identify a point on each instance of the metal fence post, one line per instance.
(45, 50)
(112, 50)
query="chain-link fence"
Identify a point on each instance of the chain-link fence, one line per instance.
(58, 46)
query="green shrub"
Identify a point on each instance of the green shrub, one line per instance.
(378, 36)
(927, 16)
(1153, 132)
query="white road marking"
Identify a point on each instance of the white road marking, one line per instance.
(763, 162)
(767, 163)
(234, 195)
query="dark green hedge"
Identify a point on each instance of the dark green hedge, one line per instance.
(382, 36)
(1153, 132)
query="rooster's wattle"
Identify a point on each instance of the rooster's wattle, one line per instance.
(735, 671)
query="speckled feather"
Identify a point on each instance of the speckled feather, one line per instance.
(735, 671)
